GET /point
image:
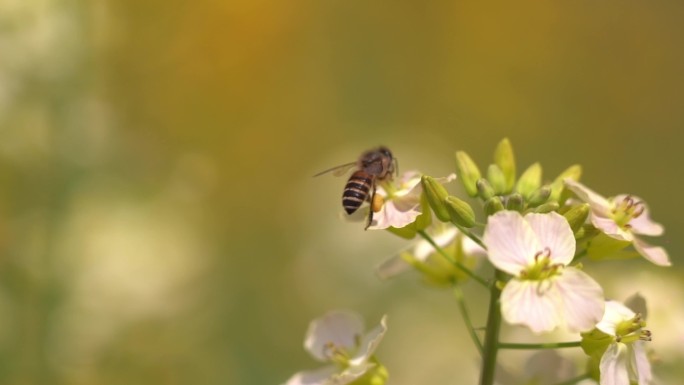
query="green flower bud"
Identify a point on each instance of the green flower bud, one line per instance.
(529, 181)
(576, 216)
(505, 160)
(497, 179)
(485, 189)
(515, 202)
(423, 220)
(539, 196)
(436, 194)
(468, 172)
(558, 186)
(546, 208)
(493, 205)
(461, 213)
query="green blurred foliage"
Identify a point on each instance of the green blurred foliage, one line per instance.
(158, 221)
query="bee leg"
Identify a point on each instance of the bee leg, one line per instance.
(370, 209)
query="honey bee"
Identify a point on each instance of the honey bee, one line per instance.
(373, 166)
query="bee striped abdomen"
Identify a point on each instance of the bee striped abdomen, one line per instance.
(356, 191)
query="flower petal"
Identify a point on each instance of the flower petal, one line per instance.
(554, 232)
(511, 243)
(614, 313)
(599, 204)
(339, 328)
(369, 343)
(531, 303)
(396, 213)
(655, 254)
(640, 363)
(582, 297)
(644, 225)
(312, 377)
(610, 228)
(613, 365)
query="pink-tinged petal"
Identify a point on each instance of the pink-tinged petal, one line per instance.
(640, 363)
(339, 328)
(643, 224)
(534, 304)
(369, 343)
(582, 298)
(554, 232)
(655, 254)
(511, 243)
(611, 229)
(613, 365)
(614, 313)
(598, 204)
(395, 213)
(312, 377)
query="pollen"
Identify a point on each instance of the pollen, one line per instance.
(376, 204)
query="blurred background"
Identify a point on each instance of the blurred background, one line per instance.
(158, 219)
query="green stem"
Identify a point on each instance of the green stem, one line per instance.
(575, 380)
(491, 344)
(549, 345)
(451, 259)
(470, 235)
(460, 299)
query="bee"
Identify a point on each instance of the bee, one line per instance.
(373, 166)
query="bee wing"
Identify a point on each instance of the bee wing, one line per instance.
(338, 170)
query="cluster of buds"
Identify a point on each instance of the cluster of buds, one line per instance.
(534, 233)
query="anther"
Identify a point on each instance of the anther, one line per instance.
(639, 209)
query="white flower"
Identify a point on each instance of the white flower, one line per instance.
(624, 361)
(401, 204)
(426, 259)
(337, 337)
(544, 292)
(623, 218)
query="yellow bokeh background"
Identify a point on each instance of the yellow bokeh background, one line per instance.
(158, 219)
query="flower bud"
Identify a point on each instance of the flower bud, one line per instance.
(436, 194)
(515, 202)
(539, 196)
(461, 213)
(573, 172)
(529, 181)
(497, 179)
(493, 205)
(485, 189)
(546, 208)
(505, 160)
(467, 172)
(576, 216)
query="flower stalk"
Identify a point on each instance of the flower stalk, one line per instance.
(451, 259)
(491, 343)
